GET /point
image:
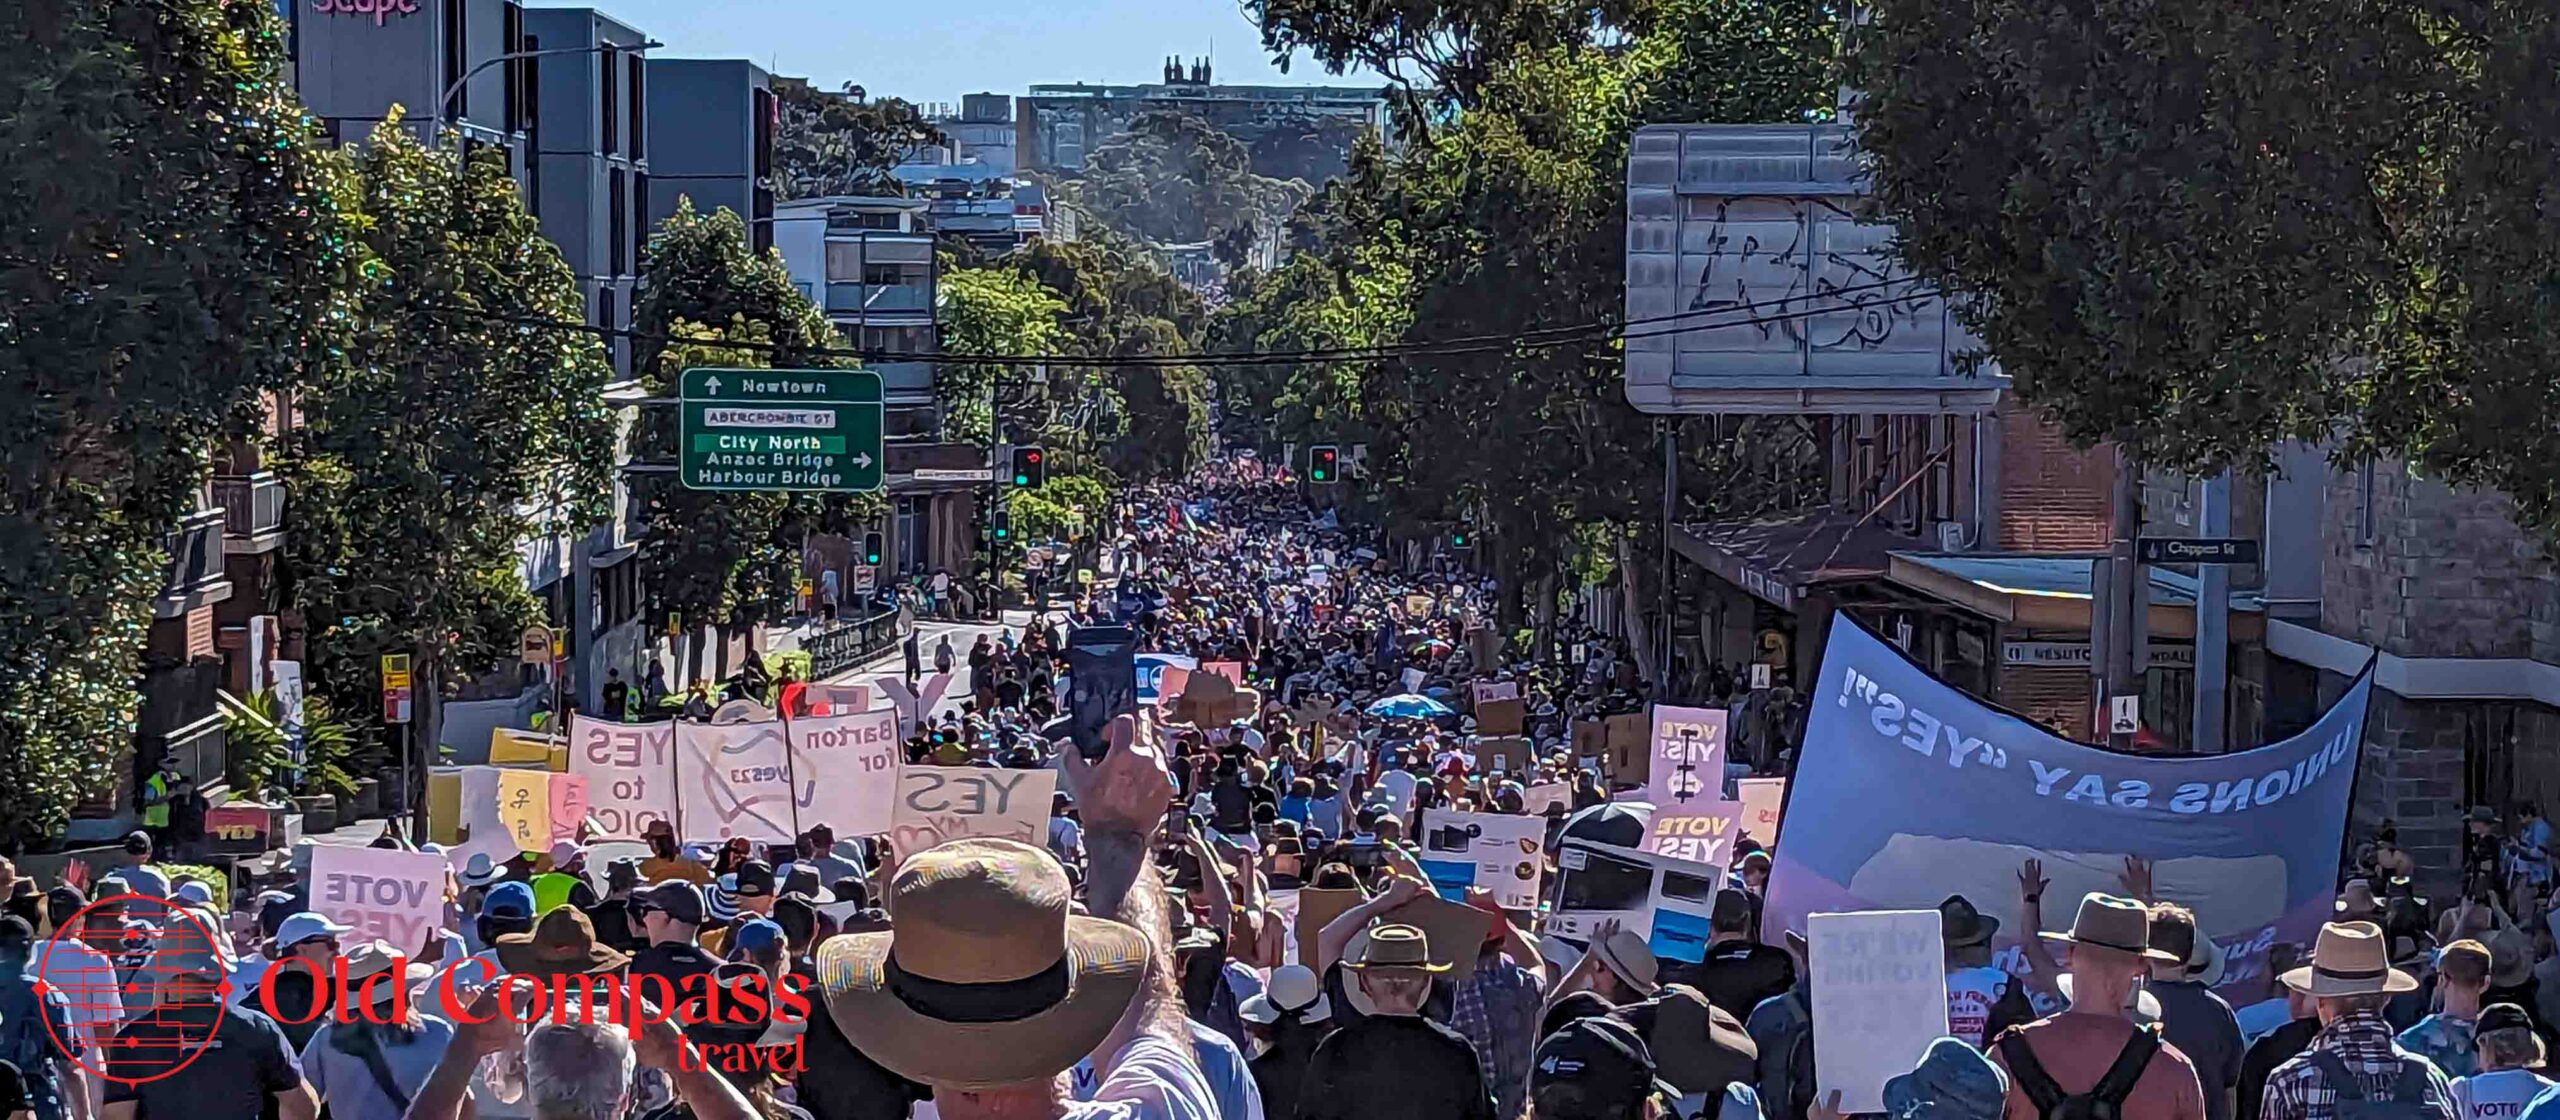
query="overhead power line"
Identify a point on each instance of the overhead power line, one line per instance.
(1537, 338)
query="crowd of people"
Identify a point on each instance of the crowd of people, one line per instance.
(1142, 964)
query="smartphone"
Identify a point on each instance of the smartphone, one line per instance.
(1102, 680)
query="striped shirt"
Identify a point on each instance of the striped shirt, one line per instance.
(2363, 1042)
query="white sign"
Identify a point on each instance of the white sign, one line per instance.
(630, 770)
(946, 474)
(2076, 655)
(1538, 797)
(735, 780)
(1497, 690)
(1283, 907)
(1151, 667)
(1760, 674)
(1668, 899)
(1761, 800)
(1496, 851)
(1412, 680)
(938, 803)
(846, 768)
(913, 705)
(384, 893)
(1879, 999)
(2124, 715)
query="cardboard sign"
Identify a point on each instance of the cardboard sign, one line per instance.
(847, 769)
(524, 808)
(630, 770)
(1317, 908)
(735, 780)
(1417, 606)
(1688, 756)
(384, 893)
(1590, 738)
(1630, 748)
(1151, 667)
(1495, 690)
(1501, 717)
(509, 747)
(938, 803)
(1455, 932)
(1684, 901)
(1232, 670)
(1412, 679)
(1499, 852)
(840, 699)
(1668, 899)
(238, 830)
(1700, 832)
(568, 805)
(1506, 755)
(1762, 799)
(1879, 999)
(1539, 797)
(914, 704)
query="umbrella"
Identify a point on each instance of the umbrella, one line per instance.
(1433, 645)
(1406, 705)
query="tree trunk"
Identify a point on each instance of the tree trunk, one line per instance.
(426, 712)
(1639, 630)
(1545, 615)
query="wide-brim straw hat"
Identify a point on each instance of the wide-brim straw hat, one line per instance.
(1394, 949)
(2349, 959)
(2108, 922)
(562, 943)
(986, 978)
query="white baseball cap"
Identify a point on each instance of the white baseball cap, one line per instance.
(305, 926)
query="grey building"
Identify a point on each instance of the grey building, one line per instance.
(1292, 132)
(354, 62)
(710, 137)
(591, 158)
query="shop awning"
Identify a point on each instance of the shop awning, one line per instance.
(1777, 559)
(2052, 592)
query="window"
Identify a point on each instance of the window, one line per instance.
(639, 109)
(639, 219)
(617, 218)
(2364, 504)
(511, 111)
(607, 89)
(457, 55)
(844, 261)
(529, 81)
(608, 316)
(883, 274)
(766, 111)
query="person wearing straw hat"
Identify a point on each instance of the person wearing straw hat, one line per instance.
(1394, 1063)
(2192, 1018)
(2353, 1057)
(368, 1066)
(988, 986)
(2092, 1052)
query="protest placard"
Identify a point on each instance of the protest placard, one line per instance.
(938, 803)
(1630, 748)
(1283, 906)
(630, 770)
(1684, 902)
(524, 808)
(1590, 738)
(1151, 667)
(1232, 670)
(384, 893)
(1455, 932)
(510, 747)
(568, 805)
(1417, 606)
(1702, 833)
(1495, 690)
(1496, 851)
(847, 769)
(1597, 881)
(479, 831)
(1318, 907)
(914, 704)
(1507, 754)
(1501, 717)
(1688, 756)
(1762, 798)
(735, 780)
(238, 829)
(1539, 797)
(1412, 679)
(1879, 999)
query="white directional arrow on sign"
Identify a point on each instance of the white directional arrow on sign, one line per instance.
(712, 383)
(863, 460)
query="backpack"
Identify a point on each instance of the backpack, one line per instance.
(2104, 1100)
(2408, 1100)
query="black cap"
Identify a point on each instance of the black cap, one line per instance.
(2500, 1017)
(1607, 1066)
(675, 898)
(1732, 911)
(137, 843)
(755, 879)
(14, 930)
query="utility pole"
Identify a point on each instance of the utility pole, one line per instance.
(2213, 622)
(2126, 602)
(1670, 517)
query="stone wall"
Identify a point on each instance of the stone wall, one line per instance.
(2418, 568)
(2413, 773)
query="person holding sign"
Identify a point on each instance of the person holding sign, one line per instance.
(2091, 1052)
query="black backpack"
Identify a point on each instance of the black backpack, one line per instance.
(2103, 1101)
(2408, 1099)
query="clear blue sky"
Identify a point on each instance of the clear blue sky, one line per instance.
(938, 51)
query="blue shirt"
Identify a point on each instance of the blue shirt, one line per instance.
(347, 1086)
(2444, 1040)
(29, 1026)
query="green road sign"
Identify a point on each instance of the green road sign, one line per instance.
(781, 429)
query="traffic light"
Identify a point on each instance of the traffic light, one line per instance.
(1029, 470)
(1324, 463)
(1460, 540)
(1000, 525)
(871, 548)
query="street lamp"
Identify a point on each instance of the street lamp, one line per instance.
(435, 121)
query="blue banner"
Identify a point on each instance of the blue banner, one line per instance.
(1907, 791)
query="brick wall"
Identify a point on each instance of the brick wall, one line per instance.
(2053, 496)
(2412, 773)
(2419, 568)
(2057, 698)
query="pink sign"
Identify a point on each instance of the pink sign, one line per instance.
(568, 805)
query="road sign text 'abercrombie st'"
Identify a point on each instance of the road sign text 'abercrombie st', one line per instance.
(781, 429)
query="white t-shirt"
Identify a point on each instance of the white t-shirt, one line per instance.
(86, 978)
(1970, 994)
(2501, 1095)
(1151, 1079)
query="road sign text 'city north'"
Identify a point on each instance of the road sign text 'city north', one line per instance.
(780, 429)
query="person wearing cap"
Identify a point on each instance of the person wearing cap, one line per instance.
(506, 909)
(1736, 971)
(667, 860)
(752, 892)
(989, 986)
(1952, 1082)
(612, 913)
(2108, 950)
(1066, 837)
(367, 1065)
(2509, 1078)
(2192, 1017)
(1393, 1063)
(669, 916)
(2349, 979)
(242, 1068)
(35, 1028)
(133, 865)
(1619, 967)
(2447, 1036)
(301, 988)
(1288, 1018)
(566, 883)
(1596, 1069)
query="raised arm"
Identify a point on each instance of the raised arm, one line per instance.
(1122, 799)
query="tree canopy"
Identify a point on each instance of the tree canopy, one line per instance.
(1175, 179)
(842, 142)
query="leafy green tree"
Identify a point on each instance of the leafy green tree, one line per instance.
(175, 245)
(447, 436)
(1000, 310)
(723, 559)
(842, 142)
(1174, 179)
(1120, 304)
(2197, 228)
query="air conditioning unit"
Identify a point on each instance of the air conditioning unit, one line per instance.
(1950, 536)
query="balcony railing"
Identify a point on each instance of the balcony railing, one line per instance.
(845, 298)
(195, 560)
(252, 511)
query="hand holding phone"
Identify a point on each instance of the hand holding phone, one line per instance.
(1102, 676)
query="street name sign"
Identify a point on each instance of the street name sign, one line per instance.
(780, 429)
(2195, 550)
